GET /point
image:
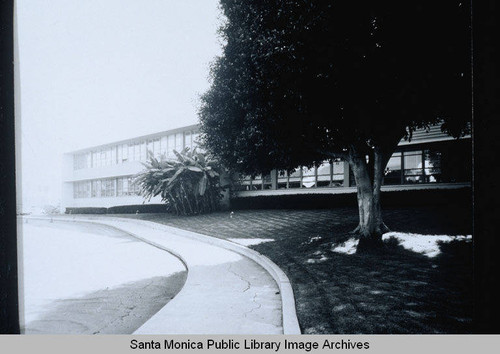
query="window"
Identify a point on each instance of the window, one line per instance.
(417, 166)
(108, 188)
(282, 180)
(294, 179)
(133, 188)
(81, 161)
(144, 153)
(81, 189)
(156, 148)
(150, 148)
(136, 151)
(153, 148)
(179, 142)
(266, 182)
(113, 155)
(109, 157)
(102, 158)
(187, 140)
(171, 145)
(432, 166)
(323, 172)
(119, 154)
(413, 168)
(94, 158)
(308, 177)
(163, 145)
(392, 173)
(96, 189)
(119, 187)
(124, 153)
(122, 186)
(244, 183)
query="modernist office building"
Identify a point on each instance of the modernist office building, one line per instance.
(102, 176)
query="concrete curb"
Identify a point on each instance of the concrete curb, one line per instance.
(289, 315)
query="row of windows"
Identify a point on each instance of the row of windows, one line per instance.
(136, 151)
(108, 187)
(328, 174)
(446, 164)
(420, 166)
(407, 167)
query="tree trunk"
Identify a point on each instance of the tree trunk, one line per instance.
(371, 225)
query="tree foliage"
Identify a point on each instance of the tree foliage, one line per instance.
(300, 80)
(189, 184)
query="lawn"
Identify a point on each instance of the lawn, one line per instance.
(393, 291)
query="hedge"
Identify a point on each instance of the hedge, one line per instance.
(426, 197)
(121, 209)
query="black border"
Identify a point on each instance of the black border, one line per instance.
(486, 146)
(9, 315)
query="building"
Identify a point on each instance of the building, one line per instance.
(102, 176)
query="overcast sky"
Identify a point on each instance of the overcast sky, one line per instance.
(96, 71)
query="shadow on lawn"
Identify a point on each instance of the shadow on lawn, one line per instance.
(391, 291)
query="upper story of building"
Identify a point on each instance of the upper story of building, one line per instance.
(125, 157)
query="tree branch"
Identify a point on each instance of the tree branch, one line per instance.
(335, 155)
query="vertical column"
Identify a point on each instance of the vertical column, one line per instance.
(402, 167)
(274, 179)
(347, 182)
(225, 182)
(424, 177)
(331, 174)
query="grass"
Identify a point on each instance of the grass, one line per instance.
(392, 291)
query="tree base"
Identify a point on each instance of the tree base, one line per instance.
(382, 229)
(370, 244)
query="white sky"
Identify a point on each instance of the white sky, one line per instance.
(96, 71)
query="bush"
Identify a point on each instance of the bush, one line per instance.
(89, 210)
(141, 208)
(50, 209)
(121, 209)
(189, 184)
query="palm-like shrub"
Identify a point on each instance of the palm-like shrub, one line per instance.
(189, 184)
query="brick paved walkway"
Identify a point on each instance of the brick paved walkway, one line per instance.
(281, 223)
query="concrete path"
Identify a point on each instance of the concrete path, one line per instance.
(226, 292)
(82, 278)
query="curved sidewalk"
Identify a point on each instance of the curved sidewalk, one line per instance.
(230, 289)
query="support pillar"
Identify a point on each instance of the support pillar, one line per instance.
(346, 175)
(274, 179)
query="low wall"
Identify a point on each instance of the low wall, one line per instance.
(461, 197)
(120, 209)
(394, 198)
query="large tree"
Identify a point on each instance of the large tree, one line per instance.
(302, 81)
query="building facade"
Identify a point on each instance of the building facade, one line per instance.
(102, 176)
